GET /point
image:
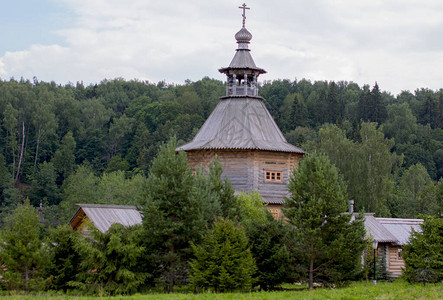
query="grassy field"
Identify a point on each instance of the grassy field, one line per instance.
(360, 290)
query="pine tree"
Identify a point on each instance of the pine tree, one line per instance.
(269, 239)
(330, 245)
(223, 191)
(44, 187)
(175, 214)
(377, 111)
(333, 104)
(64, 157)
(299, 111)
(65, 257)
(223, 261)
(110, 261)
(423, 255)
(363, 104)
(22, 252)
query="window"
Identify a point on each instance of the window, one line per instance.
(275, 212)
(400, 256)
(273, 176)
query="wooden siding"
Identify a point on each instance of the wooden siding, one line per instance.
(246, 169)
(78, 219)
(395, 264)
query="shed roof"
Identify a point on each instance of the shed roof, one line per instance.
(240, 123)
(103, 216)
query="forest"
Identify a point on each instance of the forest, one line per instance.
(114, 143)
(67, 144)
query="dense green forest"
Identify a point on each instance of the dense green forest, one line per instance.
(67, 144)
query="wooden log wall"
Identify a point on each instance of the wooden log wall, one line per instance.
(395, 264)
(274, 191)
(246, 169)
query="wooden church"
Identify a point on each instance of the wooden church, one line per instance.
(242, 134)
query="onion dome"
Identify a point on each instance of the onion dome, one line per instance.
(243, 36)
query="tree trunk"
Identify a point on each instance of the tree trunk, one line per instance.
(311, 273)
(26, 279)
(36, 150)
(171, 269)
(21, 153)
(13, 162)
(311, 267)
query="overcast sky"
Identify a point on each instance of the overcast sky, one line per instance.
(399, 44)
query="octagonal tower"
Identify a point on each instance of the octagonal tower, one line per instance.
(243, 135)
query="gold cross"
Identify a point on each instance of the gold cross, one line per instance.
(244, 12)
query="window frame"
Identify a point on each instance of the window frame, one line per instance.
(273, 176)
(400, 254)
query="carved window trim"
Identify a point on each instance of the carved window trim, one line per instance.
(273, 176)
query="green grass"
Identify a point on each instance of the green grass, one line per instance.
(358, 290)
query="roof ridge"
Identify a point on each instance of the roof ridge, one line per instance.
(87, 205)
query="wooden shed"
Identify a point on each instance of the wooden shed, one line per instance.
(102, 216)
(392, 234)
(242, 134)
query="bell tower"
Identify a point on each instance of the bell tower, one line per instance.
(242, 72)
(242, 134)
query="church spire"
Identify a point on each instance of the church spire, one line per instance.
(242, 72)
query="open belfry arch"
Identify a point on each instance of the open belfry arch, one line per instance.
(242, 134)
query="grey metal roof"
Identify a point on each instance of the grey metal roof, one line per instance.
(391, 230)
(243, 60)
(103, 216)
(401, 228)
(240, 123)
(274, 200)
(377, 230)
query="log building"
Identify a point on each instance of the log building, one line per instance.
(391, 234)
(242, 134)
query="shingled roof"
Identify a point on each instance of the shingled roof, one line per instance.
(240, 123)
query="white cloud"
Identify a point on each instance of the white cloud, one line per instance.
(364, 41)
